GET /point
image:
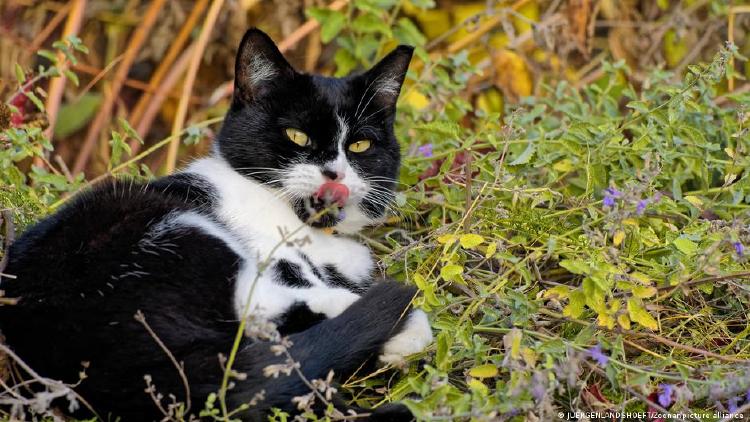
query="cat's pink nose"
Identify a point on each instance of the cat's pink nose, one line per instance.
(333, 192)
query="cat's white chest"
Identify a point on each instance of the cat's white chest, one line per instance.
(267, 231)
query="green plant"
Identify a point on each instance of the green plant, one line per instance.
(581, 250)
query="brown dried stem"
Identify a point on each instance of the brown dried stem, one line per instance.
(136, 41)
(177, 46)
(187, 86)
(57, 85)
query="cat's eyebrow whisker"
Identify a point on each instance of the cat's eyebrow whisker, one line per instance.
(373, 113)
(356, 112)
(377, 91)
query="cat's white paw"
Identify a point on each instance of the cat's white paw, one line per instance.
(327, 301)
(414, 337)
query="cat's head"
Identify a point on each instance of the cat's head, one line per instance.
(326, 145)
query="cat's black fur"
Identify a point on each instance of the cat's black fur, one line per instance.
(83, 273)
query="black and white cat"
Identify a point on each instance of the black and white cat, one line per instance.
(298, 156)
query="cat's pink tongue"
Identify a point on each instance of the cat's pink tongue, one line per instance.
(333, 192)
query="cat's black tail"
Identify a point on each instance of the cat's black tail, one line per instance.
(341, 344)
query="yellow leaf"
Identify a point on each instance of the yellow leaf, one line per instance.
(641, 278)
(574, 309)
(563, 165)
(463, 12)
(694, 201)
(512, 73)
(558, 291)
(529, 356)
(630, 222)
(526, 15)
(643, 292)
(624, 321)
(614, 306)
(434, 22)
(638, 314)
(419, 281)
(498, 40)
(618, 237)
(416, 99)
(512, 343)
(447, 239)
(478, 386)
(605, 320)
(490, 101)
(470, 241)
(487, 370)
(451, 271)
(491, 249)
(675, 47)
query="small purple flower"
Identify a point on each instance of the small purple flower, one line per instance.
(538, 386)
(732, 404)
(538, 391)
(342, 215)
(641, 207)
(598, 355)
(747, 396)
(425, 150)
(613, 192)
(665, 396)
(609, 197)
(739, 248)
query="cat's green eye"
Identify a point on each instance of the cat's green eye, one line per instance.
(360, 146)
(298, 137)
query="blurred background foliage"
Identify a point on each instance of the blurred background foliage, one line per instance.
(519, 47)
(574, 200)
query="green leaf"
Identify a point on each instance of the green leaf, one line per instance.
(442, 355)
(408, 33)
(525, 156)
(71, 76)
(371, 23)
(345, 62)
(686, 246)
(575, 266)
(34, 99)
(133, 134)
(443, 127)
(331, 22)
(73, 117)
(49, 55)
(20, 74)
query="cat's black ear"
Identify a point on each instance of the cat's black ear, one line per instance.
(384, 80)
(259, 66)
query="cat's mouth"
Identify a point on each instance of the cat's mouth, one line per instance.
(325, 208)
